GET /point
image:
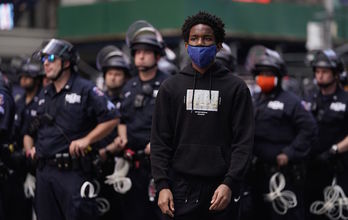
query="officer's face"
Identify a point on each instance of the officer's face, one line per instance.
(201, 35)
(27, 82)
(114, 78)
(324, 75)
(144, 58)
(52, 68)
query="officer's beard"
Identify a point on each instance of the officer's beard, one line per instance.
(326, 85)
(29, 88)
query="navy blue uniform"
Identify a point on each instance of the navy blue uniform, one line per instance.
(137, 108)
(66, 116)
(24, 112)
(282, 125)
(115, 199)
(331, 114)
(7, 111)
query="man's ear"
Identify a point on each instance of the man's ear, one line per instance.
(66, 64)
(186, 45)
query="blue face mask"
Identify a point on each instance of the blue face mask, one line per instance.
(202, 56)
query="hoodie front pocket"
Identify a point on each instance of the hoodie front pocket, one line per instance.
(200, 160)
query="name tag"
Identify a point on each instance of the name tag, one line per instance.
(338, 107)
(73, 98)
(275, 105)
(204, 100)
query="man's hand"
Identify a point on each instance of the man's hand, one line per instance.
(30, 153)
(147, 149)
(166, 202)
(282, 160)
(79, 147)
(221, 198)
(119, 144)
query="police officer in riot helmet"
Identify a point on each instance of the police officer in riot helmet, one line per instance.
(226, 58)
(30, 76)
(112, 62)
(284, 132)
(7, 111)
(137, 106)
(72, 114)
(328, 105)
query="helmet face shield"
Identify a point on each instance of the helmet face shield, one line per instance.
(142, 32)
(111, 57)
(327, 59)
(57, 47)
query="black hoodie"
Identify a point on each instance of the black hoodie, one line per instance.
(212, 141)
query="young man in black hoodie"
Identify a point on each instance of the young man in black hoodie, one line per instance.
(202, 130)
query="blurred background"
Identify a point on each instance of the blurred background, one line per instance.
(292, 27)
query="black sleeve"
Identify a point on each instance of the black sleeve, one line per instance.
(306, 133)
(161, 139)
(243, 139)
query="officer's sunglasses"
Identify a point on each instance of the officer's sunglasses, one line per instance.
(49, 57)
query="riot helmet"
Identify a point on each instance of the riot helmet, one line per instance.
(327, 59)
(269, 60)
(62, 49)
(225, 57)
(112, 57)
(32, 69)
(142, 35)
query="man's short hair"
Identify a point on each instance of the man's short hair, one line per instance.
(204, 18)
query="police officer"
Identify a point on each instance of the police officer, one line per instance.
(329, 107)
(26, 107)
(72, 114)
(114, 65)
(284, 132)
(116, 72)
(138, 104)
(226, 58)
(7, 111)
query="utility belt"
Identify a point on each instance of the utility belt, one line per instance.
(138, 159)
(64, 162)
(295, 172)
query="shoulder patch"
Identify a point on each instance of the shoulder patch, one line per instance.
(2, 99)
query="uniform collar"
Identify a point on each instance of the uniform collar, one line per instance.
(51, 90)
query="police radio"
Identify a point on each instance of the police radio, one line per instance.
(146, 90)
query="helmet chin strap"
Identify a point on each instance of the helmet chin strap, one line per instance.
(146, 68)
(326, 85)
(62, 69)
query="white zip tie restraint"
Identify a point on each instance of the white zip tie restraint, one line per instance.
(103, 205)
(29, 186)
(335, 204)
(118, 179)
(88, 190)
(281, 200)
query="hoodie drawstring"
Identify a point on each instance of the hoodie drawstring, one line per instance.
(193, 91)
(211, 86)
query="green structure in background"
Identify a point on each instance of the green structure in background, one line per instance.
(275, 20)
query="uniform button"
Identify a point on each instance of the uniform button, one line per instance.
(197, 200)
(185, 200)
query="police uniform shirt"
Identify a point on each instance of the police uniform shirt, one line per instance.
(110, 137)
(70, 114)
(7, 111)
(282, 125)
(331, 114)
(24, 112)
(138, 103)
